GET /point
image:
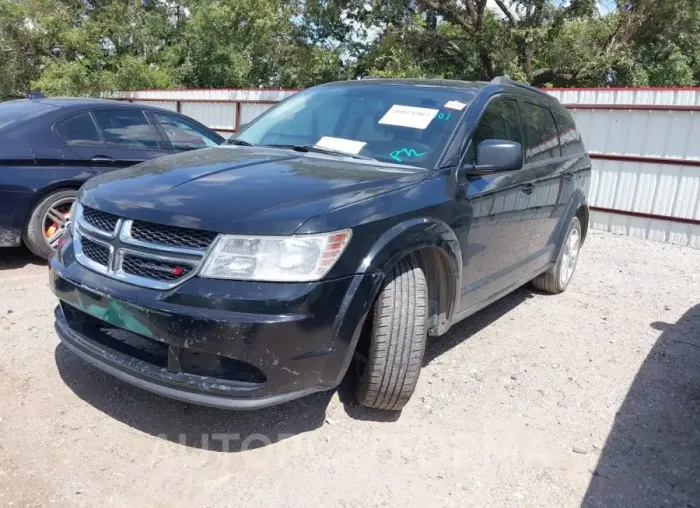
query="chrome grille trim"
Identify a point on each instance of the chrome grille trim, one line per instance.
(120, 243)
(178, 237)
(126, 237)
(86, 261)
(120, 274)
(86, 226)
(94, 218)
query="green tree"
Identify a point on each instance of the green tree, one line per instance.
(86, 47)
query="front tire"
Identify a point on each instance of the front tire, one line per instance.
(48, 221)
(557, 280)
(397, 341)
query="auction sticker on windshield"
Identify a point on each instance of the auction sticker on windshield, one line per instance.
(459, 106)
(341, 145)
(409, 116)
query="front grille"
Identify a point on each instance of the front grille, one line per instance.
(95, 251)
(152, 269)
(138, 252)
(103, 221)
(171, 236)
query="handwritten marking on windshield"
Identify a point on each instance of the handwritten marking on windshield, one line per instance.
(408, 152)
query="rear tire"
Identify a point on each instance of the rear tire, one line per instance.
(557, 280)
(35, 236)
(397, 341)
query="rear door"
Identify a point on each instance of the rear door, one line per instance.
(498, 238)
(545, 167)
(112, 138)
(575, 163)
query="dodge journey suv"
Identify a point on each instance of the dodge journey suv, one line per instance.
(347, 223)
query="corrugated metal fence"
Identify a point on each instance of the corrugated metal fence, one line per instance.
(645, 146)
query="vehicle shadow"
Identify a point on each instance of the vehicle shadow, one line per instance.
(189, 425)
(18, 257)
(652, 454)
(474, 324)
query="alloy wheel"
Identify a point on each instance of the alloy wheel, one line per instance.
(56, 220)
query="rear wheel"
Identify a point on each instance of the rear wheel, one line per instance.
(557, 280)
(397, 341)
(48, 222)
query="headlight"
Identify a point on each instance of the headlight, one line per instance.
(72, 217)
(275, 258)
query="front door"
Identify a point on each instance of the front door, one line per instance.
(499, 232)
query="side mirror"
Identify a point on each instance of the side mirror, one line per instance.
(495, 155)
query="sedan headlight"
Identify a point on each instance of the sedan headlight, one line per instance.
(299, 258)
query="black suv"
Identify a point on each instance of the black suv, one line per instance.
(352, 220)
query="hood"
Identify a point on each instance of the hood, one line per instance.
(247, 190)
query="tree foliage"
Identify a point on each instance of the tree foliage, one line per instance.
(85, 47)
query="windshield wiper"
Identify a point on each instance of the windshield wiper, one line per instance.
(327, 151)
(239, 142)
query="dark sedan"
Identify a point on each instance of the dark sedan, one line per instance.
(49, 147)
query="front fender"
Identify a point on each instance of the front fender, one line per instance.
(415, 234)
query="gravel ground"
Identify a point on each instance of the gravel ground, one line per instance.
(588, 398)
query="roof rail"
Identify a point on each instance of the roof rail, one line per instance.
(505, 80)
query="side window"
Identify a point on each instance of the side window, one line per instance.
(78, 130)
(184, 135)
(127, 128)
(499, 121)
(541, 133)
(569, 137)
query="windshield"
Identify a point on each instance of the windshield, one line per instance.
(14, 111)
(401, 124)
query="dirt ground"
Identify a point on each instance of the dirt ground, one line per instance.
(588, 398)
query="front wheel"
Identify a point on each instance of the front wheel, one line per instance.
(48, 221)
(557, 280)
(397, 341)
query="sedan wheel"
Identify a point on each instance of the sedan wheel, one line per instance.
(56, 220)
(48, 222)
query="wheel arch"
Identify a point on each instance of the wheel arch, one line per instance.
(438, 252)
(42, 193)
(576, 207)
(584, 216)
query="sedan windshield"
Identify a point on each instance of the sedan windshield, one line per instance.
(395, 123)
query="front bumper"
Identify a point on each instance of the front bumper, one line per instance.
(228, 344)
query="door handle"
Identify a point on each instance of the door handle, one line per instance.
(568, 176)
(528, 188)
(102, 159)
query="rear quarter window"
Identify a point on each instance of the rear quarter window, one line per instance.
(569, 136)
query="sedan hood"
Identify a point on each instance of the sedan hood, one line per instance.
(248, 190)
